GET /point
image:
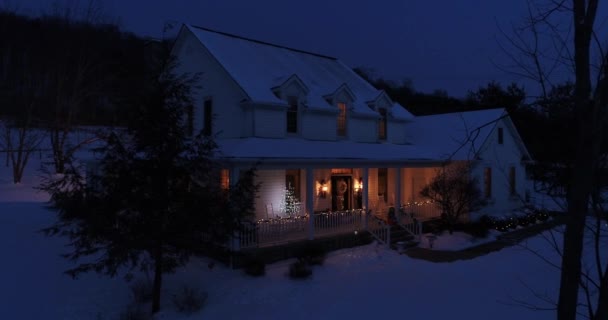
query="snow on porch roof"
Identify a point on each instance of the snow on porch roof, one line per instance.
(296, 149)
(258, 66)
(454, 135)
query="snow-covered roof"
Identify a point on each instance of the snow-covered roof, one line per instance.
(297, 149)
(455, 136)
(258, 67)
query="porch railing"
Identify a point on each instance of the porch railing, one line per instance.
(422, 211)
(412, 225)
(339, 221)
(281, 230)
(379, 229)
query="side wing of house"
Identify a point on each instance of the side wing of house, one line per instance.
(501, 169)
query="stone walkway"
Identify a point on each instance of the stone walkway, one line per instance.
(504, 240)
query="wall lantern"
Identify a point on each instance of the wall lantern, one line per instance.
(323, 189)
(358, 185)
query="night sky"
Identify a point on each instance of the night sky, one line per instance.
(439, 44)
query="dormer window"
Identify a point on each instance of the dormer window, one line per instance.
(382, 128)
(341, 125)
(292, 114)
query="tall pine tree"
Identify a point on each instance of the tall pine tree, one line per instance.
(157, 200)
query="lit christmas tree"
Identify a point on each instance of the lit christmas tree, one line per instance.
(290, 204)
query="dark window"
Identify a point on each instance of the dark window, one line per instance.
(292, 180)
(383, 183)
(512, 181)
(190, 120)
(208, 117)
(292, 115)
(500, 136)
(342, 119)
(382, 124)
(487, 180)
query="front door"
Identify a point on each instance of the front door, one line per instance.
(341, 193)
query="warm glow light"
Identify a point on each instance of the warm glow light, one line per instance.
(324, 188)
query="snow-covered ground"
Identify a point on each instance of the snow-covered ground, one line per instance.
(356, 283)
(359, 283)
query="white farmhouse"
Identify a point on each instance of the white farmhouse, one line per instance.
(327, 144)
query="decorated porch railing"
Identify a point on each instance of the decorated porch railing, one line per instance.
(281, 230)
(379, 229)
(422, 211)
(338, 221)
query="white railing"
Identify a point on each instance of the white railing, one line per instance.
(422, 211)
(411, 225)
(339, 221)
(379, 230)
(282, 230)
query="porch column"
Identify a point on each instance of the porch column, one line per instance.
(310, 194)
(398, 190)
(365, 193)
(233, 178)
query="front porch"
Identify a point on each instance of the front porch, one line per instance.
(297, 204)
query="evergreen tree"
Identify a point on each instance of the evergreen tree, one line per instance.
(157, 200)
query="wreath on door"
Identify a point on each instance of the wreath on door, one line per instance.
(342, 187)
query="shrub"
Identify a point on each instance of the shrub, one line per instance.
(254, 266)
(312, 254)
(189, 300)
(300, 270)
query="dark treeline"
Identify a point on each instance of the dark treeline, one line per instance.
(68, 70)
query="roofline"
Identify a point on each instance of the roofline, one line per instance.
(263, 42)
(330, 162)
(220, 64)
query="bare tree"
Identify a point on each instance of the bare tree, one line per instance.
(569, 29)
(455, 191)
(22, 92)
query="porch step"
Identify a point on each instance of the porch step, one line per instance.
(401, 240)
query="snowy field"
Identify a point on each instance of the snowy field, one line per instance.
(367, 282)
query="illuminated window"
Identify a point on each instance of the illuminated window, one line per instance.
(225, 179)
(512, 189)
(487, 181)
(342, 119)
(292, 115)
(382, 124)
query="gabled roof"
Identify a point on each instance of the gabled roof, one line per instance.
(259, 66)
(458, 136)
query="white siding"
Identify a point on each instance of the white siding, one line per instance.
(271, 192)
(500, 157)
(214, 83)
